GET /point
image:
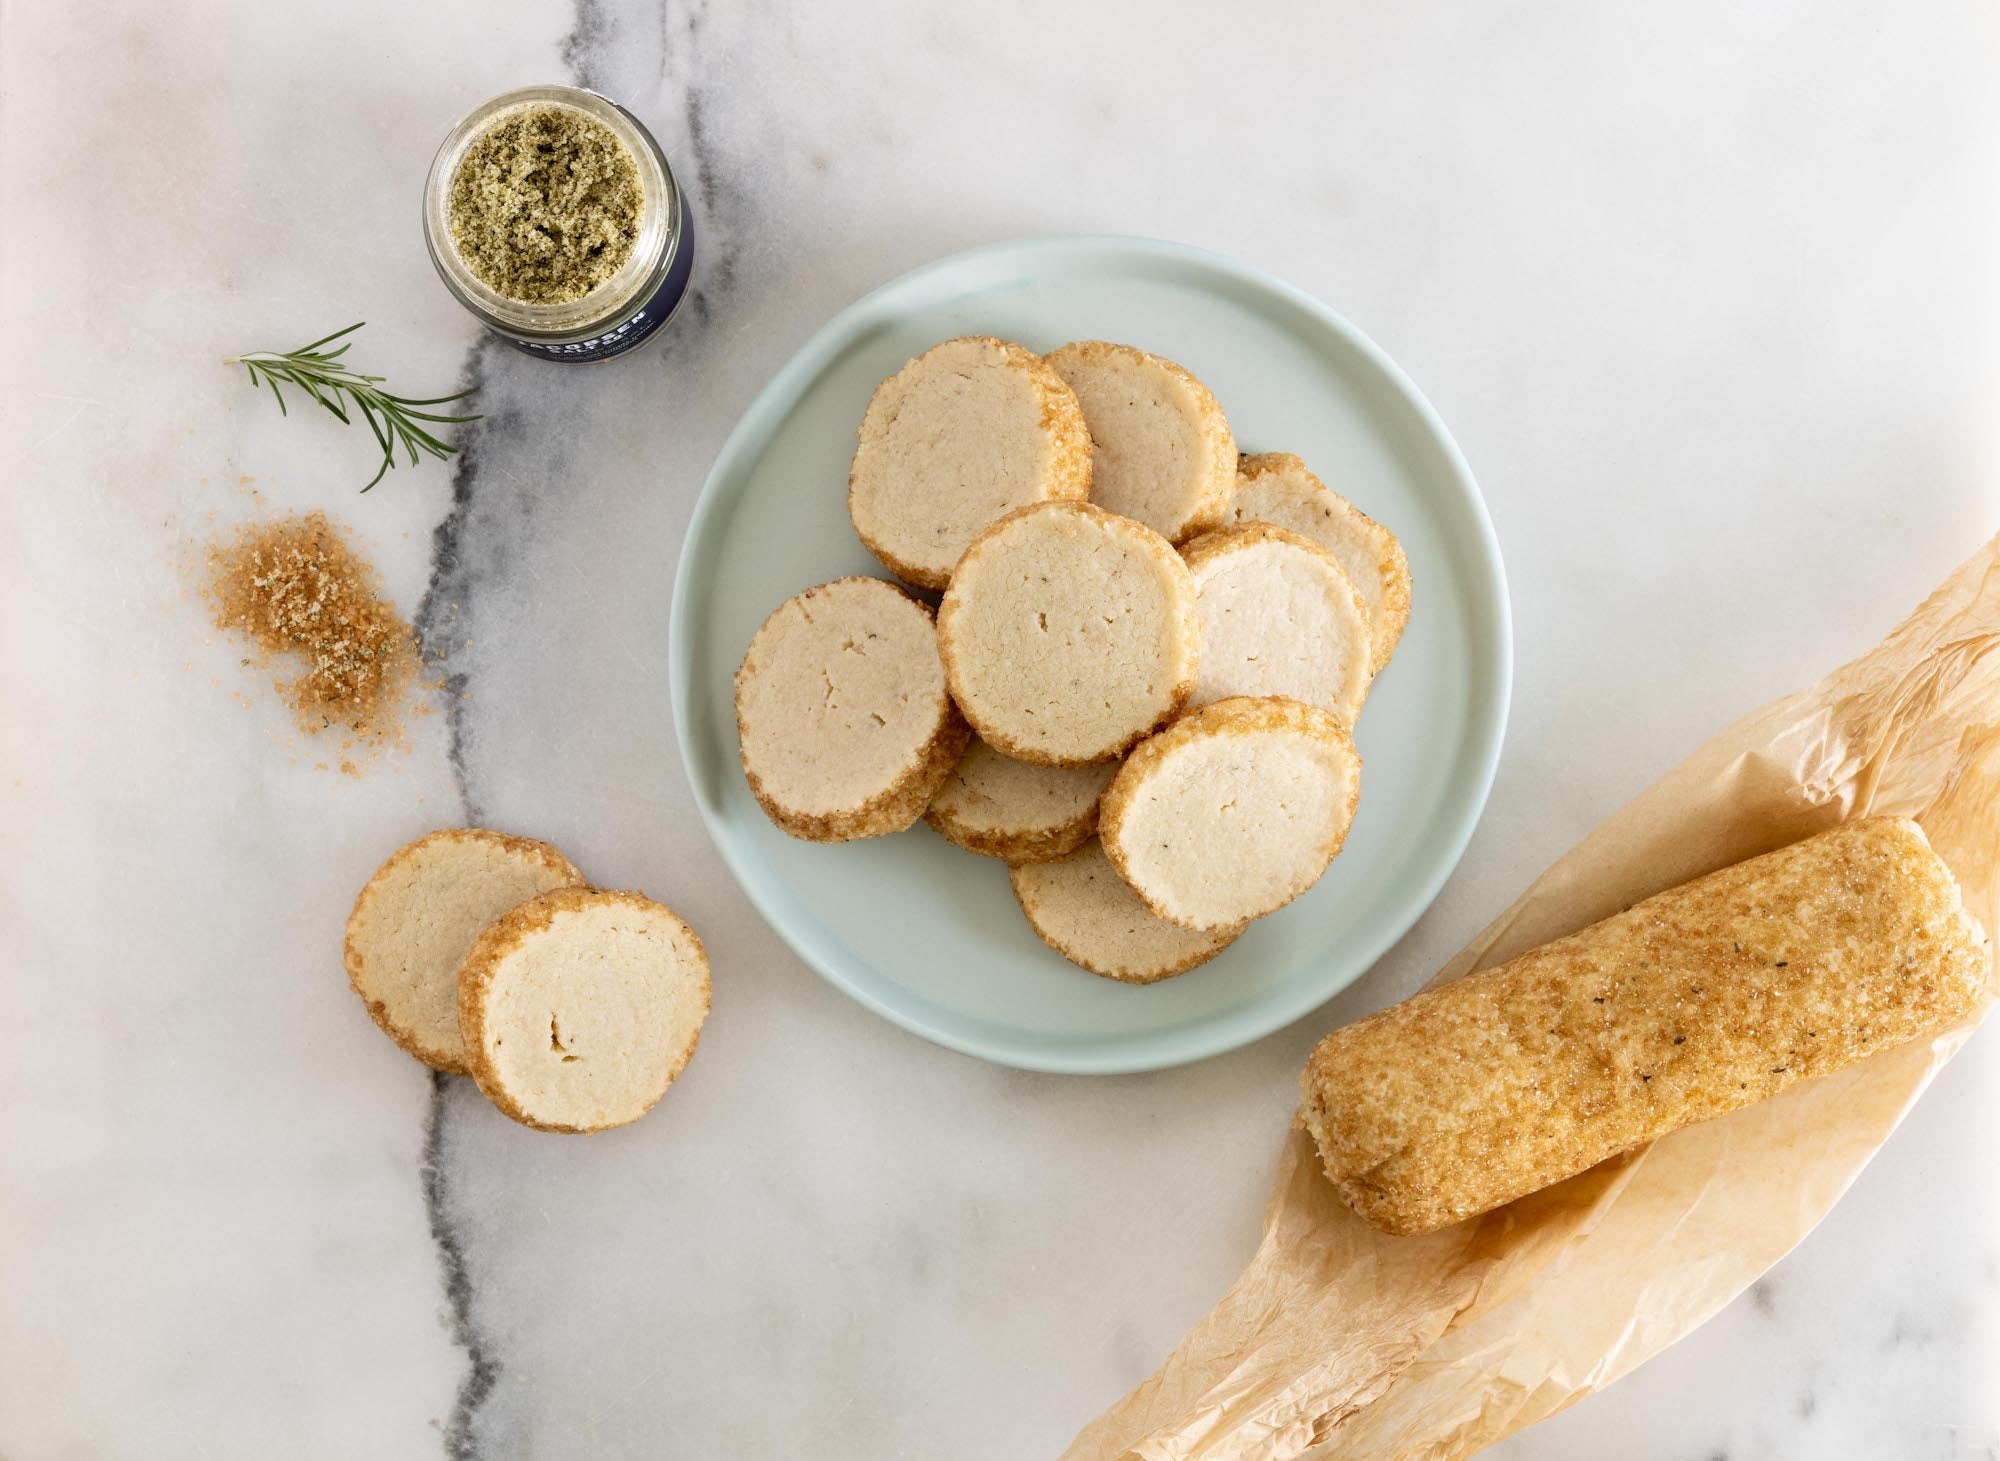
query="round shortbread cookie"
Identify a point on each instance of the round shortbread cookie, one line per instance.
(999, 807)
(1275, 487)
(1082, 909)
(415, 919)
(1233, 811)
(841, 711)
(1163, 453)
(1278, 617)
(580, 1008)
(959, 437)
(1068, 633)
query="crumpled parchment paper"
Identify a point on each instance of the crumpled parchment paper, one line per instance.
(1338, 1341)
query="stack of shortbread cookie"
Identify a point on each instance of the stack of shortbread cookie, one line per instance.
(1140, 685)
(490, 956)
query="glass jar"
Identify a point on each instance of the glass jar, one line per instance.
(625, 310)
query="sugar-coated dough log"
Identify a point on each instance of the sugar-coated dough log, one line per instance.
(1700, 1000)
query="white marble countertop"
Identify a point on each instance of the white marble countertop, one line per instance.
(1706, 292)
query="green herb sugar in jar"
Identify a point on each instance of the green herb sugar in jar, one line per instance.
(552, 215)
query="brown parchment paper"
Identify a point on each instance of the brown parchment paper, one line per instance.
(1338, 1341)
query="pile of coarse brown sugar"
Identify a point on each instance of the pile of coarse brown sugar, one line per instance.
(295, 586)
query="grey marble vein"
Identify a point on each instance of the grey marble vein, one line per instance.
(583, 49)
(482, 1365)
(445, 616)
(681, 31)
(471, 551)
(447, 611)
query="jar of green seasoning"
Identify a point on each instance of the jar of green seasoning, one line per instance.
(551, 213)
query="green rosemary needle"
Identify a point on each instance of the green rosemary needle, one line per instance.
(319, 373)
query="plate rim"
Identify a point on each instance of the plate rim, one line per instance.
(1215, 1036)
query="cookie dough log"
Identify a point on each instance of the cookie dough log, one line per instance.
(1703, 999)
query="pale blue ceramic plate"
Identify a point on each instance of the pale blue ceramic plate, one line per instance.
(930, 936)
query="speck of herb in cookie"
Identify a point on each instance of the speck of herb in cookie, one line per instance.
(298, 590)
(545, 205)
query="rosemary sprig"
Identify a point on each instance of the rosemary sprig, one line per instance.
(318, 372)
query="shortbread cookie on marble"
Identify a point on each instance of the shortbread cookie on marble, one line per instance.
(579, 1008)
(416, 918)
